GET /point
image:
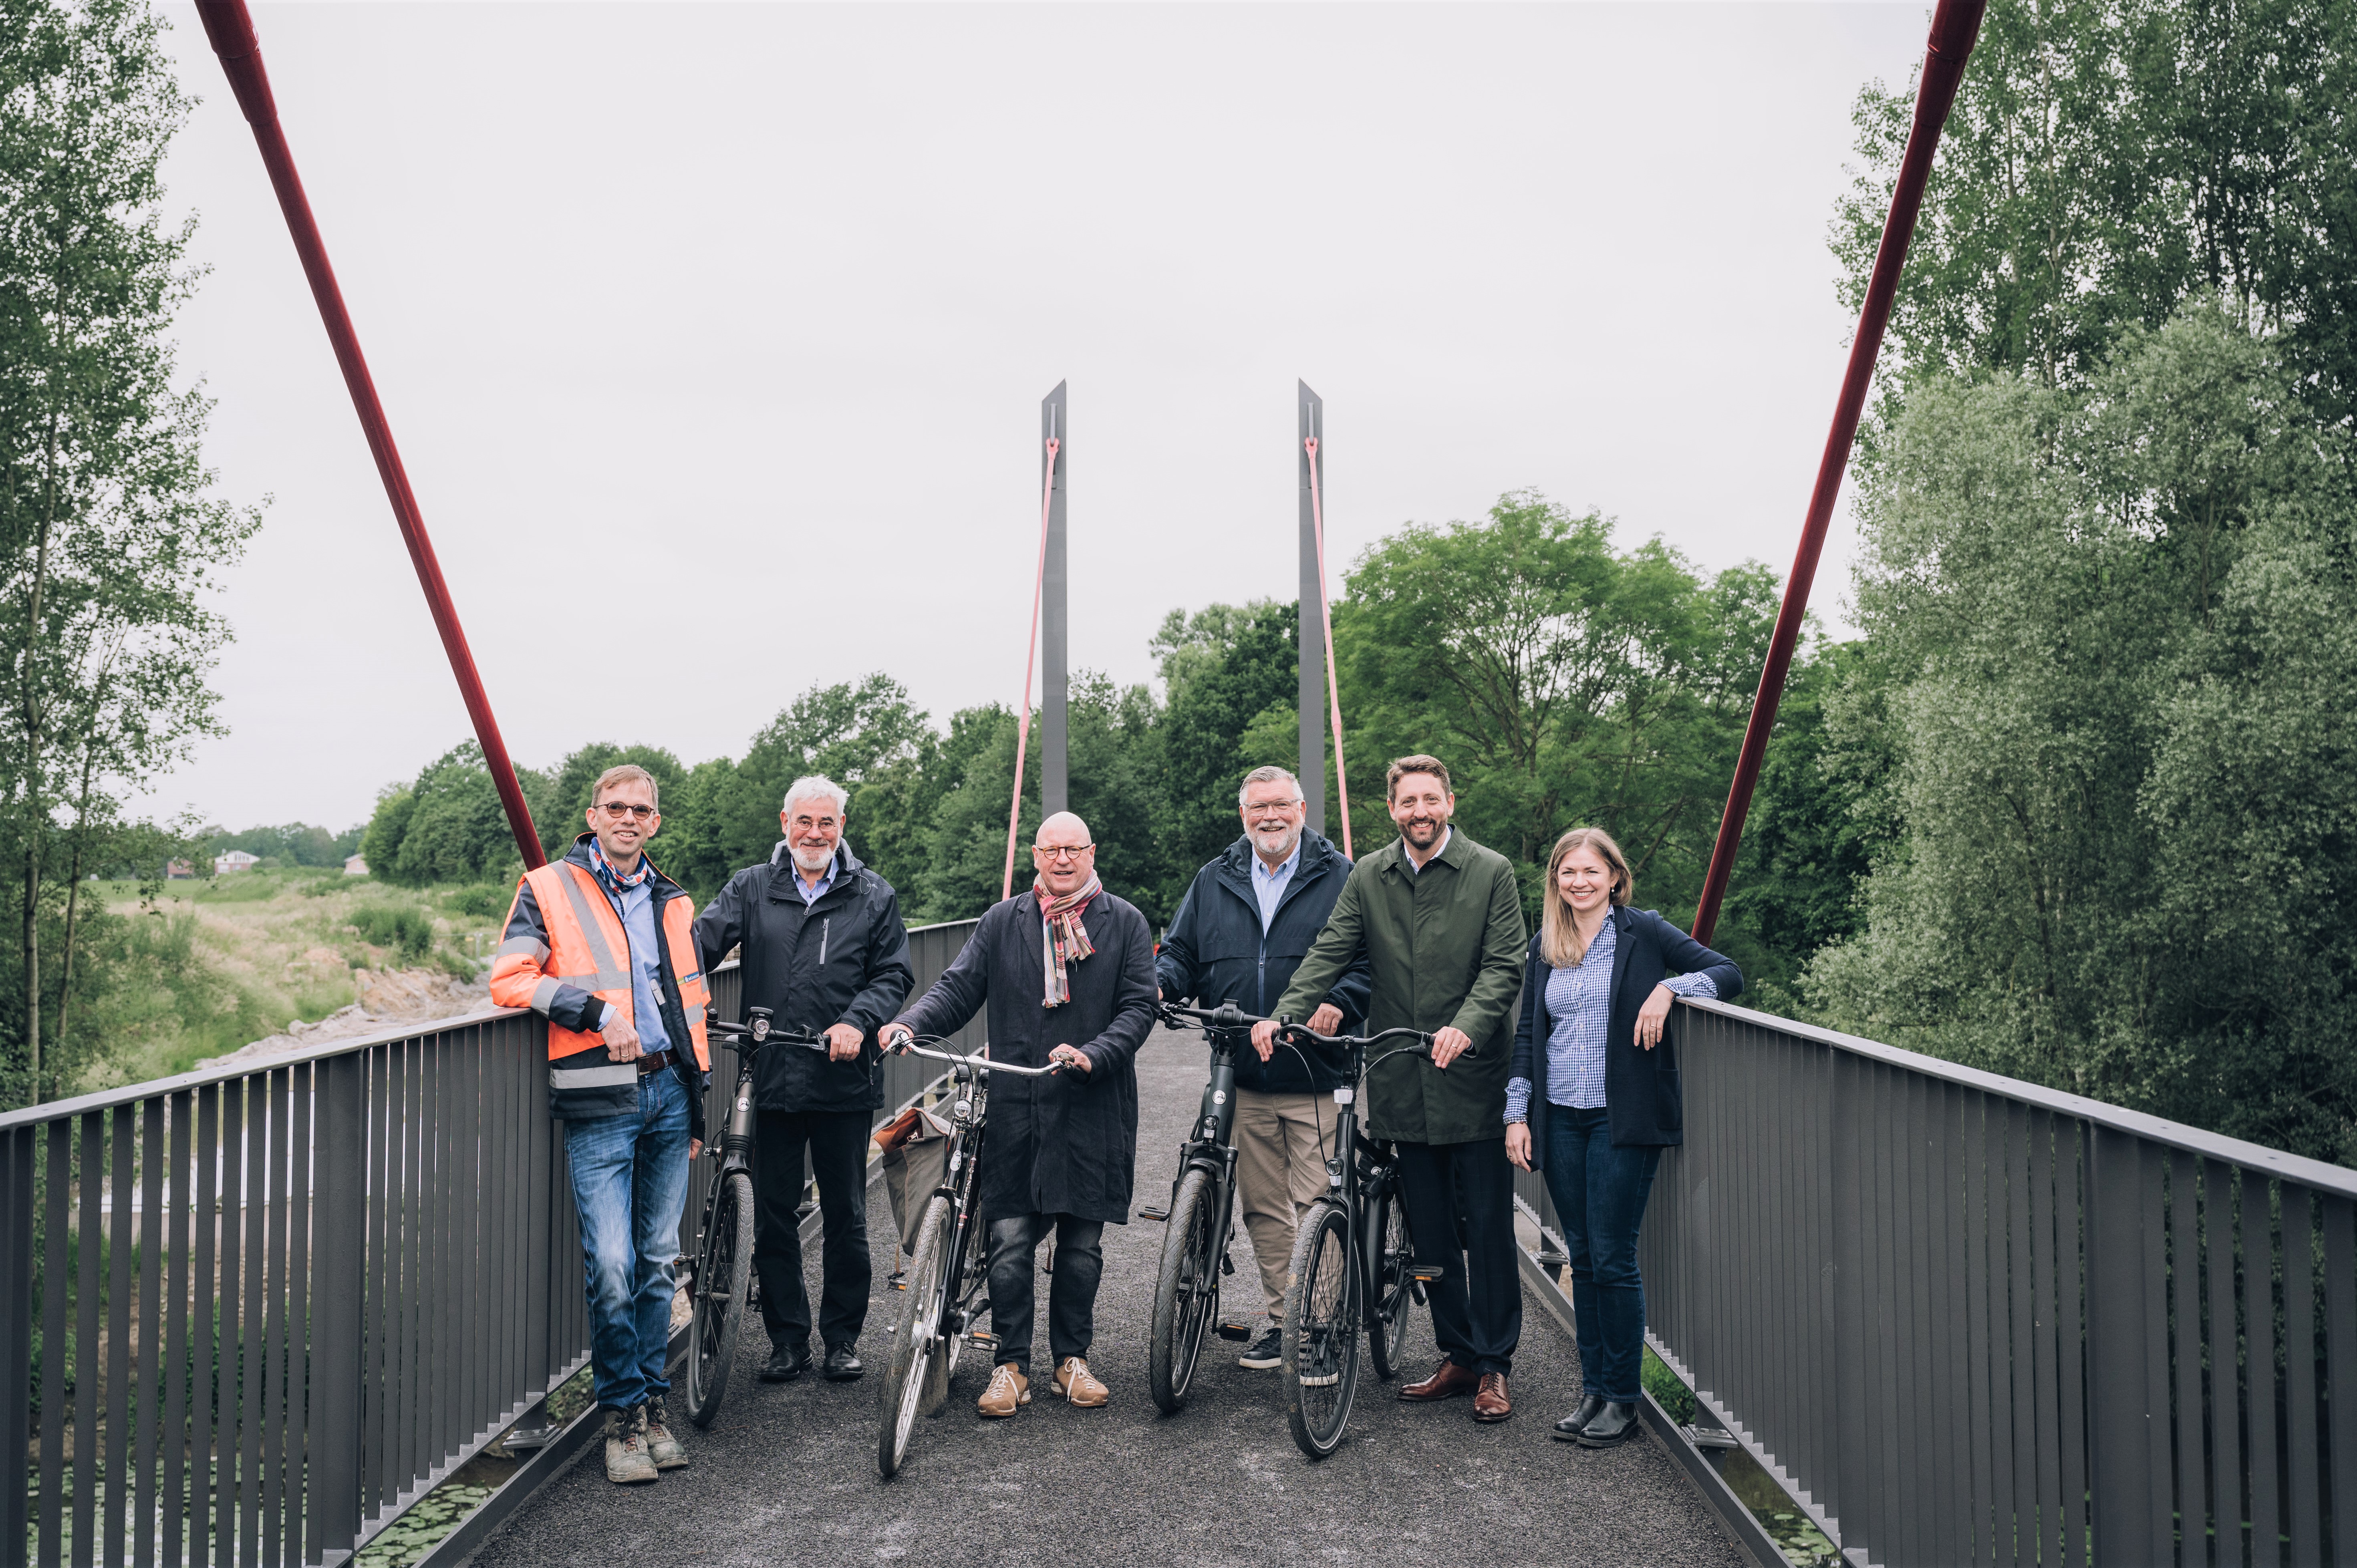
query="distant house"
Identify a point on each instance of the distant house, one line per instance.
(234, 861)
(175, 870)
(355, 865)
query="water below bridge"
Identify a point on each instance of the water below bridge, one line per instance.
(786, 1474)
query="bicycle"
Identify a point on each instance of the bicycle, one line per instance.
(1199, 1217)
(723, 1259)
(1353, 1260)
(947, 1277)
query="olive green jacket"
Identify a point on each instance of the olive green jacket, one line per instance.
(1447, 947)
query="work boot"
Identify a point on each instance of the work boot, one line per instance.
(662, 1447)
(627, 1463)
(1079, 1385)
(1010, 1391)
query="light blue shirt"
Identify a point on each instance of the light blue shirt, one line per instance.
(637, 906)
(811, 894)
(1269, 887)
(1579, 1007)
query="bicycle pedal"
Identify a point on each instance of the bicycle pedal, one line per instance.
(1159, 1215)
(1230, 1328)
(1424, 1274)
(983, 1339)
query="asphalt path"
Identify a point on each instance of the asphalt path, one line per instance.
(786, 1474)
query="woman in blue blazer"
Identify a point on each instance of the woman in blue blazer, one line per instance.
(1592, 1099)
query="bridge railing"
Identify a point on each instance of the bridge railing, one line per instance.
(254, 1312)
(1967, 1319)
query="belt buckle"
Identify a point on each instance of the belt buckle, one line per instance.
(654, 1063)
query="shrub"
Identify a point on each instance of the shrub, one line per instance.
(406, 931)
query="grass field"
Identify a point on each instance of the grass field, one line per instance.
(212, 965)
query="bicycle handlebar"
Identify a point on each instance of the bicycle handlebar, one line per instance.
(981, 1064)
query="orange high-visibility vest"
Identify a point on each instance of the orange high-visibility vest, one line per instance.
(588, 950)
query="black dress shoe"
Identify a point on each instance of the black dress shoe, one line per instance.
(1568, 1429)
(842, 1364)
(1612, 1426)
(786, 1363)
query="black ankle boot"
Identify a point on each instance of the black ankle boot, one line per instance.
(1612, 1426)
(1568, 1429)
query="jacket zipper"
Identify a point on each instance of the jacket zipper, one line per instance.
(823, 927)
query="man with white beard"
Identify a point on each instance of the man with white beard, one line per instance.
(1238, 936)
(822, 947)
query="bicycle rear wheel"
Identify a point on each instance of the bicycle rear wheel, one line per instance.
(1186, 1294)
(1321, 1369)
(723, 1272)
(1391, 1253)
(916, 1336)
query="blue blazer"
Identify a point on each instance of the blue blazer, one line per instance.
(1641, 1087)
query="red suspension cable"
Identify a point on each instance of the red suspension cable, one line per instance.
(231, 32)
(1954, 27)
(1326, 614)
(1030, 652)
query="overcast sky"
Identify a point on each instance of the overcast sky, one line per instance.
(714, 336)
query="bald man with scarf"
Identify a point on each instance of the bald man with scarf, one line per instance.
(1066, 970)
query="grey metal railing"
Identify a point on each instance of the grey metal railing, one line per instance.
(1967, 1319)
(254, 1312)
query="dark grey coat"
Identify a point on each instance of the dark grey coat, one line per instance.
(1064, 1144)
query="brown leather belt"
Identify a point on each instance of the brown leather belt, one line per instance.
(654, 1063)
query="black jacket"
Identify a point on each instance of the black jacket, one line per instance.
(1214, 951)
(1067, 1143)
(1641, 1091)
(843, 960)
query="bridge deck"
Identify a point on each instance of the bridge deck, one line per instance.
(787, 1474)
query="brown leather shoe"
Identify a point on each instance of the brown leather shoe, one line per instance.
(1447, 1380)
(1489, 1403)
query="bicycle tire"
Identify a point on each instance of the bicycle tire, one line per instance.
(1183, 1302)
(1320, 1366)
(718, 1314)
(958, 1287)
(916, 1341)
(1391, 1253)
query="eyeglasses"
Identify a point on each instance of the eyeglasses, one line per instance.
(1263, 808)
(1062, 851)
(616, 809)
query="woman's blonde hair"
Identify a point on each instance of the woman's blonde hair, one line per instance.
(1559, 939)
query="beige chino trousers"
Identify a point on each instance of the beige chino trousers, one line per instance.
(1281, 1143)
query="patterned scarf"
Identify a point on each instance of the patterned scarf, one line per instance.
(616, 883)
(1068, 939)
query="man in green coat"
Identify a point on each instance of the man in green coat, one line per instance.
(1440, 920)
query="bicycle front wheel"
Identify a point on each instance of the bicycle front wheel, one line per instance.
(1320, 1365)
(1186, 1293)
(723, 1272)
(916, 1336)
(1390, 1254)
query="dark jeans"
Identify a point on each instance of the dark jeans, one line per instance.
(838, 1141)
(1600, 1195)
(629, 1182)
(1476, 1303)
(1071, 1292)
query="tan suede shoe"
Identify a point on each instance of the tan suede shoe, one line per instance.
(1010, 1391)
(1079, 1385)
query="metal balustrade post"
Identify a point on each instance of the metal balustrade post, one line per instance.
(2131, 1525)
(339, 1257)
(16, 1310)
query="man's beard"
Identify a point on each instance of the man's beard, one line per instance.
(1422, 833)
(1279, 850)
(812, 860)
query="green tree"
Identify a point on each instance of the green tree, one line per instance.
(1563, 681)
(857, 733)
(109, 535)
(2066, 595)
(446, 826)
(2104, 162)
(1222, 667)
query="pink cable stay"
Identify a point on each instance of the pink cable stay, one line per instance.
(1030, 654)
(1326, 613)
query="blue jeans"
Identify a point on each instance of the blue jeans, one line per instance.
(629, 1182)
(1600, 1195)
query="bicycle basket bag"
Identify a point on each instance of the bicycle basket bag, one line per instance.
(916, 1145)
